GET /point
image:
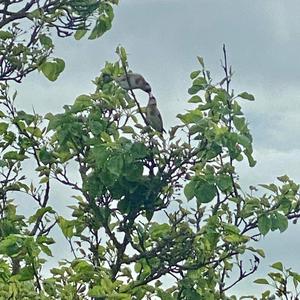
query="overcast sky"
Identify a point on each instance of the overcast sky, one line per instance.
(163, 38)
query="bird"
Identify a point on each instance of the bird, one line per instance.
(153, 115)
(133, 81)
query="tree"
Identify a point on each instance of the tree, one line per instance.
(155, 216)
(25, 42)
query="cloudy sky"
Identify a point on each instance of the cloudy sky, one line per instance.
(163, 38)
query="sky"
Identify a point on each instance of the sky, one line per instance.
(163, 38)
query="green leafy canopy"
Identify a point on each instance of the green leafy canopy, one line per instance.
(138, 207)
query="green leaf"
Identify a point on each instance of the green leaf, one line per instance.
(164, 295)
(45, 156)
(278, 266)
(82, 266)
(102, 25)
(80, 33)
(261, 281)
(44, 179)
(195, 99)
(198, 84)
(159, 230)
(56, 271)
(123, 54)
(49, 70)
(229, 228)
(40, 213)
(283, 178)
(276, 276)
(281, 222)
(28, 118)
(81, 103)
(264, 224)
(149, 214)
(192, 294)
(67, 227)
(251, 160)
(195, 129)
(45, 240)
(204, 191)
(246, 96)
(106, 137)
(235, 238)
(271, 187)
(138, 267)
(127, 129)
(100, 155)
(195, 89)
(296, 277)
(60, 65)
(97, 126)
(224, 183)
(134, 172)
(26, 273)
(213, 151)
(35, 131)
(200, 81)
(274, 224)
(244, 141)
(115, 165)
(97, 291)
(139, 150)
(5, 35)
(261, 252)
(14, 155)
(46, 41)
(265, 295)
(239, 123)
(50, 287)
(3, 127)
(11, 245)
(52, 69)
(189, 190)
(46, 250)
(123, 206)
(194, 74)
(285, 205)
(192, 116)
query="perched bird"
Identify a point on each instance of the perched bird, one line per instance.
(153, 116)
(133, 81)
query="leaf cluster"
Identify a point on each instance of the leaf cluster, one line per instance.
(27, 27)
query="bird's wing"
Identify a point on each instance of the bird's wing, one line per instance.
(160, 118)
(139, 80)
(154, 118)
(161, 122)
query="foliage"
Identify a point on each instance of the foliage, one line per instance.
(282, 280)
(26, 27)
(155, 217)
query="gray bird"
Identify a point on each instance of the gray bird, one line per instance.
(153, 116)
(134, 81)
